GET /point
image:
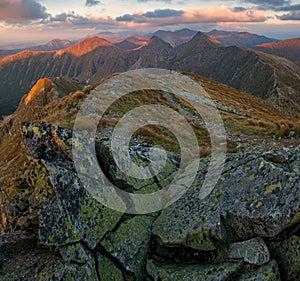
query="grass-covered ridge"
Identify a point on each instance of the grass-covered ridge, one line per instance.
(248, 120)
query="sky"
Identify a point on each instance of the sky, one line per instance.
(28, 22)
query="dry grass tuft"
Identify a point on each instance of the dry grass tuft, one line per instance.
(205, 151)
(78, 95)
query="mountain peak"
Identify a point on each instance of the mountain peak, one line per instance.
(200, 40)
(58, 43)
(155, 40)
(85, 46)
(42, 86)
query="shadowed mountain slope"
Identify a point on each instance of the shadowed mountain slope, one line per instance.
(266, 76)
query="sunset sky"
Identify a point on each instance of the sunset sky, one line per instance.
(36, 21)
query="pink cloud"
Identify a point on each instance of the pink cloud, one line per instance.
(209, 15)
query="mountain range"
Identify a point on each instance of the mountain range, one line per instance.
(55, 44)
(289, 49)
(243, 39)
(178, 37)
(175, 38)
(269, 77)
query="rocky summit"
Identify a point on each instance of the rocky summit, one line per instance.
(55, 227)
(246, 229)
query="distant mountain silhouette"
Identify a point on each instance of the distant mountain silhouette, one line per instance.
(55, 44)
(243, 39)
(133, 42)
(175, 38)
(127, 45)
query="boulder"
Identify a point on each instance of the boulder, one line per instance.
(255, 197)
(253, 251)
(268, 272)
(130, 244)
(287, 253)
(176, 272)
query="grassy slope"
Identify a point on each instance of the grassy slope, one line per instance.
(241, 113)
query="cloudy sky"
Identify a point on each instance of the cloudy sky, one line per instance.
(32, 21)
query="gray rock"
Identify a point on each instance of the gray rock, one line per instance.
(253, 251)
(287, 253)
(197, 272)
(68, 213)
(108, 271)
(130, 244)
(268, 272)
(75, 253)
(69, 272)
(254, 197)
(257, 195)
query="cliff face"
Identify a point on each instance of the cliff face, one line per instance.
(250, 218)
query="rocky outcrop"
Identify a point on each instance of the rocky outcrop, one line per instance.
(246, 229)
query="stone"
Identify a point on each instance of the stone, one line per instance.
(287, 254)
(11, 244)
(257, 195)
(254, 197)
(253, 251)
(75, 253)
(69, 272)
(68, 213)
(140, 156)
(130, 244)
(196, 272)
(268, 272)
(108, 271)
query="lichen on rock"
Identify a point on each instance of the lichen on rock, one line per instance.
(239, 232)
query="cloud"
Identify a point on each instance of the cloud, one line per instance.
(290, 8)
(145, 1)
(209, 15)
(77, 21)
(144, 17)
(61, 17)
(273, 5)
(21, 10)
(164, 13)
(91, 3)
(125, 18)
(239, 9)
(294, 15)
